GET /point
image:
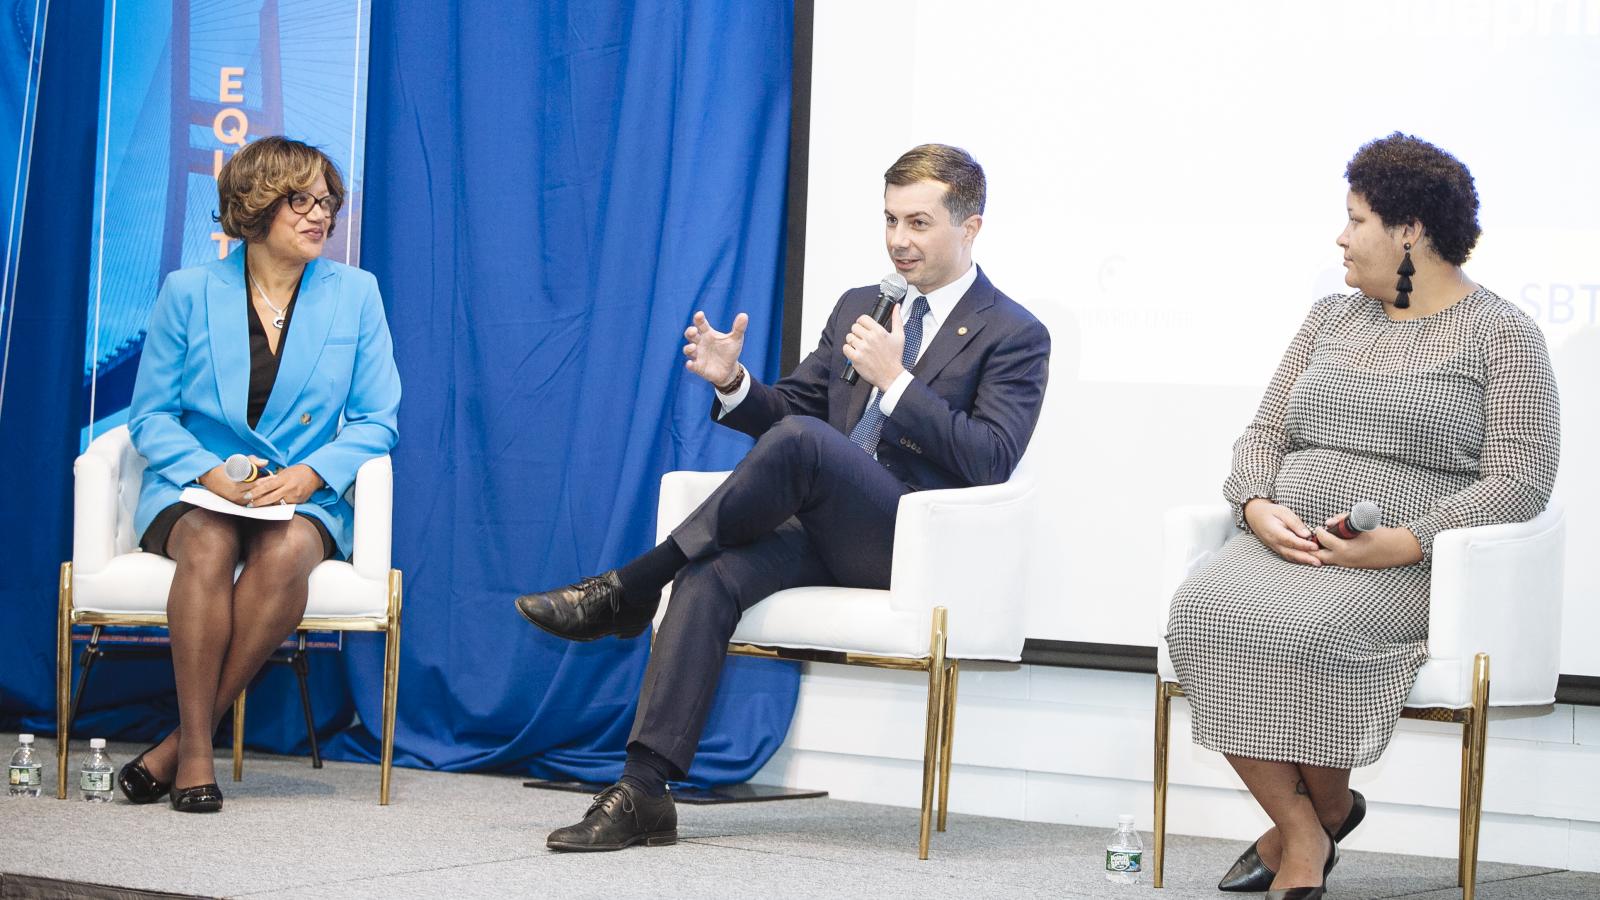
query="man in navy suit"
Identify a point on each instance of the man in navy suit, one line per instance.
(946, 398)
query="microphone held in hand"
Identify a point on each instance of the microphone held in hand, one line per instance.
(891, 290)
(1363, 517)
(238, 467)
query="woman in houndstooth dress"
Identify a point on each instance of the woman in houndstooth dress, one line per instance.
(1296, 649)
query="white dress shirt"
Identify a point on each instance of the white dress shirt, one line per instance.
(941, 303)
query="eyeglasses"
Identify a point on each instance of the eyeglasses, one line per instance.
(301, 202)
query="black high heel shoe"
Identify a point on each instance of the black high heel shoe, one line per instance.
(1250, 875)
(202, 798)
(138, 785)
(1309, 893)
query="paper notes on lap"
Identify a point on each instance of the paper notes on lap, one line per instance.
(278, 512)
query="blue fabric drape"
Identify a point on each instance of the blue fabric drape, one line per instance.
(554, 190)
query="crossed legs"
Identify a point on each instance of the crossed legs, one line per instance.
(223, 630)
(1305, 803)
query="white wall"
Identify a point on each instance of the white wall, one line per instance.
(1166, 183)
(1070, 745)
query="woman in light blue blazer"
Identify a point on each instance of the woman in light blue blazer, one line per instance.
(275, 354)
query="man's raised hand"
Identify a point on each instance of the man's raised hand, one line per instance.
(713, 354)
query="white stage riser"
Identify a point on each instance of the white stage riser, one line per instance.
(1075, 746)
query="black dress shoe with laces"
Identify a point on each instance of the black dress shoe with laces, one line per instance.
(588, 610)
(620, 816)
(1250, 875)
(202, 798)
(138, 785)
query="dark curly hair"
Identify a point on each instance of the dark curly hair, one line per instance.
(1405, 178)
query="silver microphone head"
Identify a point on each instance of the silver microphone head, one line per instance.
(893, 286)
(238, 467)
(1365, 516)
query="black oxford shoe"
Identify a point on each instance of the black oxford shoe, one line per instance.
(588, 610)
(1250, 875)
(620, 816)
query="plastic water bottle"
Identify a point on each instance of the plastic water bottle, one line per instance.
(94, 778)
(26, 774)
(1124, 853)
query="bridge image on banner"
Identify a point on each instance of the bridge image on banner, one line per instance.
(185, 84)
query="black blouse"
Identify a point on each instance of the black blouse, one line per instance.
(263, 362)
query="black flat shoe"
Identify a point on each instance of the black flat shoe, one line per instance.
(202, 798)
(620, 816)
(138, 785)
(588, 610)
(1250, 875)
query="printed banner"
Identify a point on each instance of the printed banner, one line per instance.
(185, 84)
(21, 55)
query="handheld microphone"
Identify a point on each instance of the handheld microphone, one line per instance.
(891, 290)
(1363, 517)
(238, 467)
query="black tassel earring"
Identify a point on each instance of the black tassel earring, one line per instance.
(1402, 297)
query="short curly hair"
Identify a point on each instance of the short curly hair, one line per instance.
(257, 179)
(1404, 178)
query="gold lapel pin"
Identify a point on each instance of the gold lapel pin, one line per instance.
(305, 418)
(961, 330)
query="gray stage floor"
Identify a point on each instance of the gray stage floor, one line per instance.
(291, 831)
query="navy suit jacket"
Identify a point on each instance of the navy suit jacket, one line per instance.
(969, 411)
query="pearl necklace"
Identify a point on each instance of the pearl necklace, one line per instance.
(278, 322)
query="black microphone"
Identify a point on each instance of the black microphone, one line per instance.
(1363, 517)
(891, 290)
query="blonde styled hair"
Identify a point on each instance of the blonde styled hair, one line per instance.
(260, 177)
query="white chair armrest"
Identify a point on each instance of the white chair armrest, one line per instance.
(99, 478)
(681, 494)
(372, 537)
(1497, 589)
(1189, 536)
(966, 549)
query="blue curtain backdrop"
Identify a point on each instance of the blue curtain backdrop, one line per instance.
(553, 191)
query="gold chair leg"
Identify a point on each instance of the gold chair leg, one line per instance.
(1165, 691)
(238, 737)
(391, 685)
(947, 737)
(930, 750)
(63, 675)
(1473, 744)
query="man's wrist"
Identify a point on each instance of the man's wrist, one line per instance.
(733, 385)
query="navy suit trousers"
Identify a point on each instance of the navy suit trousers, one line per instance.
(804, 507)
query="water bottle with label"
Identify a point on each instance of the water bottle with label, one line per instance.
(26, 775)
(1124, 853)
(94, 778)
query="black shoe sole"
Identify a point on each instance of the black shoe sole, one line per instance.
(649, 839)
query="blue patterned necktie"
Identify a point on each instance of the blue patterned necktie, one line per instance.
(865, 434)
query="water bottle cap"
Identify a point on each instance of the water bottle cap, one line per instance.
(1124, 820)
(24, 738)
(97, 743)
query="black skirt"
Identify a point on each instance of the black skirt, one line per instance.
(155, 537)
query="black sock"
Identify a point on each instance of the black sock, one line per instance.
(648, 770)
(644, 578)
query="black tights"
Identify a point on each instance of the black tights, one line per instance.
(223, 630)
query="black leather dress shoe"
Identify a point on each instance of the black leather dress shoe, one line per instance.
(138, 785)
(202, 798)
(588, 610)
(620, 816)
(1309, 893)
(1250, 875)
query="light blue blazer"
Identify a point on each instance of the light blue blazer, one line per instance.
(333, 406)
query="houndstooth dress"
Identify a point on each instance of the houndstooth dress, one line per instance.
(1446, 421)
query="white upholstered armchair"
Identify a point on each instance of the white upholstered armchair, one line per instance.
(1496, 595)
(957, 591)
(109, 581)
